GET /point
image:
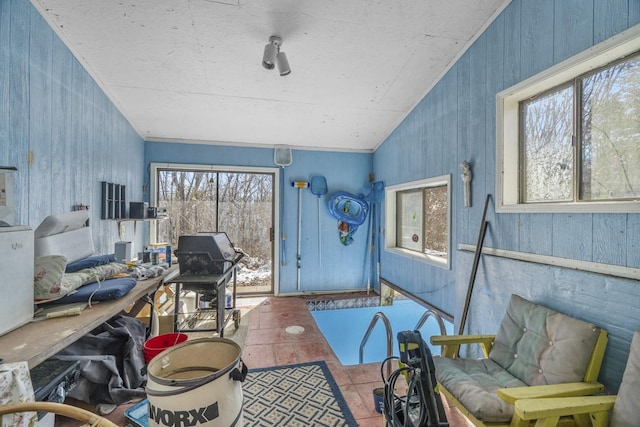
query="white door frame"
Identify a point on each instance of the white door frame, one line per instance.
(153, 192)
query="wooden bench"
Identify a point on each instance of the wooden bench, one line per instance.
(591, 410)
(536, 353)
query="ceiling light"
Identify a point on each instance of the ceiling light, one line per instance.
(270, 51)
(283, 64)
(272, 56)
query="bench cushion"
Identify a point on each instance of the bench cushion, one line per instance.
(474, 382)
(541, 346)
(625, 410)
(534, 346)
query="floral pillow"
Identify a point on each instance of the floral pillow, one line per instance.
(52, 283)
(47, 275)
(16, 387)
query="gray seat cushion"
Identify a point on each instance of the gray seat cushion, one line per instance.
(474, 382)
(626, 412)
(534, 346)
(541, 346)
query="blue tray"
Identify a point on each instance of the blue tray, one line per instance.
(138, 414)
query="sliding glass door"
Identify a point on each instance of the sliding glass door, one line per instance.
(237, 202)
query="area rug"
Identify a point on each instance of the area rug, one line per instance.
(295, 395)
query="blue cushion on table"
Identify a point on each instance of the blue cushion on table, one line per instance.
(90, 261)
(104, 291)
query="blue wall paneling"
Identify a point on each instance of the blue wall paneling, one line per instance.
(59, 128)
(528, 37)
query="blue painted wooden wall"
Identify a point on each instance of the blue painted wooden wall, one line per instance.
(456, 122)
(340, 267)
(52, 112)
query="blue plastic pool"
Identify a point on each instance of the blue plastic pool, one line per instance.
(345, 328)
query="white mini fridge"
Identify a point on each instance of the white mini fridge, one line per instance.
(16, 277)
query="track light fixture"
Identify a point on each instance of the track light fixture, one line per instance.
(272, 56)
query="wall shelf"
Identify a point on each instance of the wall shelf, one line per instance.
(120, 221)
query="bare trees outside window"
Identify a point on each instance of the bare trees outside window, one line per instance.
(239, 204)
(581, 140)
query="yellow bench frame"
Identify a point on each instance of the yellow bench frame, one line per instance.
(451, 345)
(592, 411)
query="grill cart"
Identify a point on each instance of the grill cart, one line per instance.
(208, 264)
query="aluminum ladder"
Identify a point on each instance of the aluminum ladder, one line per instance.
(387, 325)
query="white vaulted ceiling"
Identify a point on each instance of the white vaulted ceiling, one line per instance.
(190, 70)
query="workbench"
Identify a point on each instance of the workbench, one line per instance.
(37, 341)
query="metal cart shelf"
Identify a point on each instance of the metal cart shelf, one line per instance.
(210, 289)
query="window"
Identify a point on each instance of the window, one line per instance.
(418, 219)
(569, 138)
(547, 143)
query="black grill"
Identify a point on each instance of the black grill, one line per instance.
(205, 253)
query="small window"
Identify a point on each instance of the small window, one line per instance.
(569, 138)
(418, 219)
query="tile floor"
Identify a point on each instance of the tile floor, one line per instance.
(268, 344)
(265, 342)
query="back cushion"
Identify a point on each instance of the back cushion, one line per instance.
(626, 412)
(541, 346)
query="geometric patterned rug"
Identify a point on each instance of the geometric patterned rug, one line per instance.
(301, 395)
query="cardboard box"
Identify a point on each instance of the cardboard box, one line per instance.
(165, 322)
(164, 309)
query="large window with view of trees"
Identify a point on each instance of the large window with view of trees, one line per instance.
(591, 155)
(568, 139)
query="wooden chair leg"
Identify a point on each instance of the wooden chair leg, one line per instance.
(516, 421)
(582, 420)
(548, 422)
(600, 419)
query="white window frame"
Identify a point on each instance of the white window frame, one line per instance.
(507, 126)
(390, 220)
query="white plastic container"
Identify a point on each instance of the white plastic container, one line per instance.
(16, 288)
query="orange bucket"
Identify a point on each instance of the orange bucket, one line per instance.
(156, 345)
